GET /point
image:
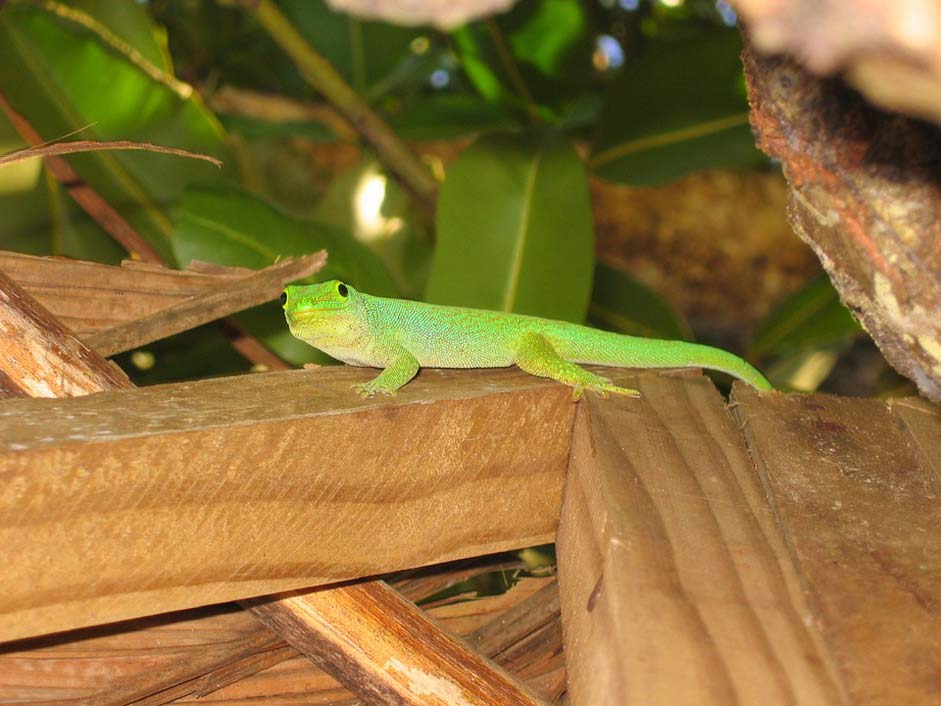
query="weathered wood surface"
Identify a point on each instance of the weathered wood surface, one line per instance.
(114, 309)
(206, 654)
(381, 647)
(39, 357)
(676, 586)
(922, 421)
(259, 650)
(860, 511)
(182, 495)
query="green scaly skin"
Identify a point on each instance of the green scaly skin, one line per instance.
(402, 336)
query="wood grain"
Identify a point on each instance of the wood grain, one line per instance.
(383, 648)
(860, 513)
(39, 357)
(922, 421)
(676, 586)
(202, 653)
(130, 503)
(221, 300)
(114, 309)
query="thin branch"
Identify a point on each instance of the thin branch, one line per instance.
(512, 69)
(60, 148)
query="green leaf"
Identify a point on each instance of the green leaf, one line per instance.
(619, 303)
(540, 50)
(231, 227)
(69, 71)
(811, 318)
(24, 199)
(679, 108)
(803, 370)
(550, 35)
(514, 227)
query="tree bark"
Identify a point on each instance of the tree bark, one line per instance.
(865, 193)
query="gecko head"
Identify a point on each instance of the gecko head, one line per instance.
(320, 309)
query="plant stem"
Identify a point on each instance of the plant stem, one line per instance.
(512, 69)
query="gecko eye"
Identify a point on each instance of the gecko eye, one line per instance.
(342, 290)
(284, 298)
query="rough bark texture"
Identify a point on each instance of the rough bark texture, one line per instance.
(866, 195)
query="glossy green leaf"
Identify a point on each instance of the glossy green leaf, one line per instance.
(679, 108)
(622, 304)
(813, 317)
(514, 227)
(550, 35)
(65, 74)
(231, 227)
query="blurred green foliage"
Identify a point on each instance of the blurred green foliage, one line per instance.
(653, 89)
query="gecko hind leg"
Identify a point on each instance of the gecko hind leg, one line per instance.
(536, 356)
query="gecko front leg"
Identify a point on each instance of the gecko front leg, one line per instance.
(402, 369)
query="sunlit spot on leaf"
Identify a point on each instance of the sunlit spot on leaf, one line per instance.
(368, 198)
(19, 176)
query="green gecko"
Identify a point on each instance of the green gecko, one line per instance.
(402, 336)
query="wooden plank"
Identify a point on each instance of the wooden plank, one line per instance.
(114, 309)
(676, 587)
(39, 357)
(200, 652)
(860, 513)
(126, 504)
(226, 298)
(76, 361)
(385, 650)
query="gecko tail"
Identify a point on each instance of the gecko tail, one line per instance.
(631, 352)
